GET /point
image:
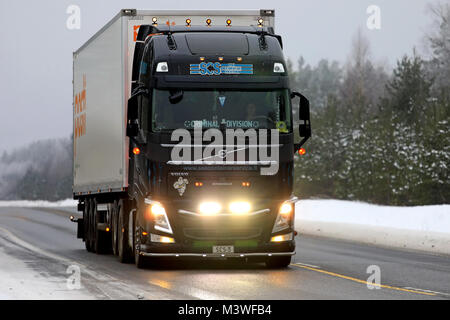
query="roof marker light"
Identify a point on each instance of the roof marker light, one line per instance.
(154, 20)
(208, 21)
(188, 22)
(239, 59)
(278, 67)
(228, 22)
(260, 22)
(220, 58)
(202, 58)
(162, 67)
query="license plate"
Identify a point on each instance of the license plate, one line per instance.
(223, 249)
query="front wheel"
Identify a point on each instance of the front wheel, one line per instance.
(278, 262)
(139, 260)
(123, 249)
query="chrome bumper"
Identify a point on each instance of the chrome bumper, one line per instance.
(218, 255)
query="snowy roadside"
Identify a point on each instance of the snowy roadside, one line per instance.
(38, 203)
(424, 228)
(24, 274)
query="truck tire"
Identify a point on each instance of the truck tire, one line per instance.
(86, 236)
(114, 228)
(278, 262)
(123, 249)
(139, 260)
(91, 231)
(101, 238)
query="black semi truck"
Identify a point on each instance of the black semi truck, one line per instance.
(184, 137)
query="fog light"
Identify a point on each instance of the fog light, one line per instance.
(210, 208)
(281, 238)
(240, 207)
(161, 239)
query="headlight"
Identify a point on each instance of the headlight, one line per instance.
(286, 208)
(210, 208)
(157, 213)
(240, 207)
(284, 217)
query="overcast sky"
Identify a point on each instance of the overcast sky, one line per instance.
(36, 47)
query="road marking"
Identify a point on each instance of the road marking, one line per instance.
(430, 291)
(306, 265)
(364, 282)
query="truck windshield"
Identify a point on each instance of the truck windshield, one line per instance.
(188, 109)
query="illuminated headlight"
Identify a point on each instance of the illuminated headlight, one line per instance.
(283, 237)
(157, 213)
(161, 239)
(284, 217)
(278, 67)
(210, 208)
(240, 207)
(162, 67)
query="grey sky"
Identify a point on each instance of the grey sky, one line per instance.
(36, 47)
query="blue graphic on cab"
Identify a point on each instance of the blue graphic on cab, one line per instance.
(217, 68)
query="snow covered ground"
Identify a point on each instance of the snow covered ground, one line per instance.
(38, 203)
(424, 228)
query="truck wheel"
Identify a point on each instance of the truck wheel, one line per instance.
(92, 225)
(86, 236)
(114, 229)
(278, 262)
(101, 241)
(123, 249)
(138, 259)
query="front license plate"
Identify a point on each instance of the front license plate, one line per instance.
(223, 249)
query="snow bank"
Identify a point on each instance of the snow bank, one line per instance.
(39, 203)
(425, 228)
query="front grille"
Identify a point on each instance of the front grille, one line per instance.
(214, 234)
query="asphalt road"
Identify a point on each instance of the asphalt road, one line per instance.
(46, 241)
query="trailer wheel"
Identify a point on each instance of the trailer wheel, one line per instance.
(123, 249)
(86, 236)
(278, 262)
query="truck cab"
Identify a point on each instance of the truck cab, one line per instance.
(206, 81)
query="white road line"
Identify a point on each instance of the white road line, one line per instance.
(306, 265)
(429, 291)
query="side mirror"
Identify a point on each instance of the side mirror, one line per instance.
(304, 115)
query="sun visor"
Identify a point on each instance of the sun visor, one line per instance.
(217, 43)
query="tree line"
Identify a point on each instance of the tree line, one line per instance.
(379, 137)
